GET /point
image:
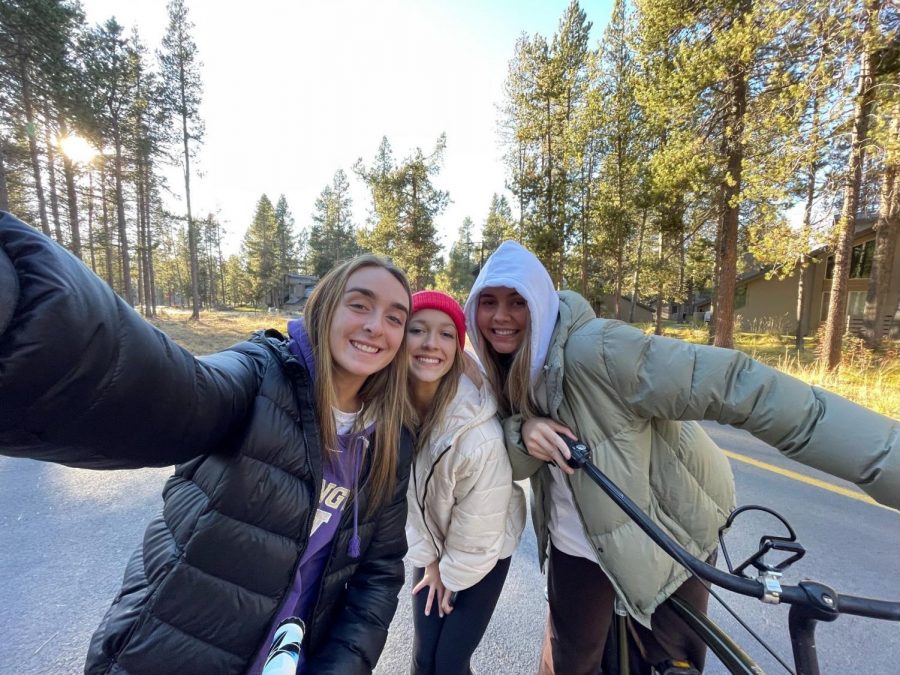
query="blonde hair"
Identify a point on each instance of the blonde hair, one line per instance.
(444, 395)
(511, 386)
(384, 394)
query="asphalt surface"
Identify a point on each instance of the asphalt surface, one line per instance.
(65, 535)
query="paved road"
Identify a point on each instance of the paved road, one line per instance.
(65, 535)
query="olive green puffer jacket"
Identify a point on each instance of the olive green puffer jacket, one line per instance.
(631, 397)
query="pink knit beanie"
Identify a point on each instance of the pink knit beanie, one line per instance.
(443, 303)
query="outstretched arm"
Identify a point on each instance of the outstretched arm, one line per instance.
(85, 381)
(670, 379)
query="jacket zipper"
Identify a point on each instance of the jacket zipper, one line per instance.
(421, 504)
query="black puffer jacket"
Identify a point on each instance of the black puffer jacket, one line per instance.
(85, 381)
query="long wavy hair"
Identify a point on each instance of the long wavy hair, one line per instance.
(444, 395)
(384, 395)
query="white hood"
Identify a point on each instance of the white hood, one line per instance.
(514, 266)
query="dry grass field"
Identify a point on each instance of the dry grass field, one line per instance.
(873, 380)
(215, 330)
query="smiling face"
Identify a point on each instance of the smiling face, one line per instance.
(502, 318)
(432, 342)
(368, 326)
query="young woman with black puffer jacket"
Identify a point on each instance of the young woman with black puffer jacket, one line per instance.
(290, 494)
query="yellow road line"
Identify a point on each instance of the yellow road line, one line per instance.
(804, 479)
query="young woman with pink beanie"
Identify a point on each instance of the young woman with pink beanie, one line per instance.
(465, 513)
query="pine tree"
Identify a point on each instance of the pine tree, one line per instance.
(332, 236)
(546, 87)
(870, 41)
(723, 83)
(405, 204)
(111, 72)
(288, 242)
(456, 277)
(35, 50)
(183, 87)
(261, 255)
(498, 226)
(613, 195)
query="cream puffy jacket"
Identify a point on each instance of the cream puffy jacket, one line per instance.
(464, 508)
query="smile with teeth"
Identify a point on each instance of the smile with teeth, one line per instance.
(368, 349)
(505, 332)
(428, 360)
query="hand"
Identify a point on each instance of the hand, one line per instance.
(436, 590)
(541, 438)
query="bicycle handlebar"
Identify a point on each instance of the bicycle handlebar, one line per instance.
(807, 594)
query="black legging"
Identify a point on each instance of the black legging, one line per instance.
(445, 646)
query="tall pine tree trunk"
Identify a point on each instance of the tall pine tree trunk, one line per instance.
(727, 244)
(31, 132)
(221, 262)
(151, 276)
(51, 174)
(71, 194)
(192, 233)
(883, 263)
(637, 267)
(143, 281)
(90, 222)
(803, 272)
(660, 289)
(4, 190)
(107, 231)
(127, 290)
(619, 282)
(837, 304)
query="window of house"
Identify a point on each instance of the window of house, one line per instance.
(860, 261)
(740, 296)
(856, 303)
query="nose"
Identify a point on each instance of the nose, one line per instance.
(430, 340)
(372, 324)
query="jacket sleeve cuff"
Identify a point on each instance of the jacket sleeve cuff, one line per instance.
(523, 465)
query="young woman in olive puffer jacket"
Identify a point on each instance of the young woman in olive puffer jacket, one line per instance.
(290, 497)
(635, 400)
(465, 513)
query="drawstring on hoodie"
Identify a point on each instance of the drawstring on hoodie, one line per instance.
(360, 444)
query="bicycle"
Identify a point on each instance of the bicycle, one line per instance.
(810, 601)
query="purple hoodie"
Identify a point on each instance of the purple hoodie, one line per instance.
(340, 484)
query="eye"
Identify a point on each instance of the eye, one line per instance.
(448, 335)
(396, 320)
(358, 306)
(414, 330)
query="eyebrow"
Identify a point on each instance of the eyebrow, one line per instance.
(371, 294)
(495, 295)
(443, 324)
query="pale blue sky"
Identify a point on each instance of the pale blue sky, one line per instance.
(294, 91)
